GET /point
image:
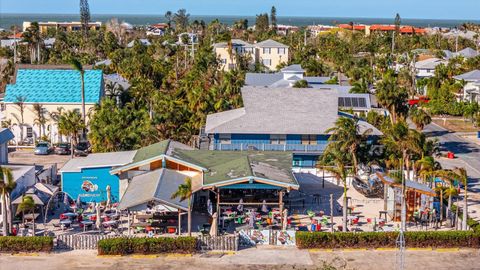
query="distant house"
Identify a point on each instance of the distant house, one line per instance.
(269, 53)
(157, 29)
(471, 90)
(143, 41)
(52, 87)
(288, 76)
(465, 53)
(426, 68)
(228, 51)
(186, 38)
(279, 119)
(65, 26)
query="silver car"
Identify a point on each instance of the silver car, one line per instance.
(43, 148)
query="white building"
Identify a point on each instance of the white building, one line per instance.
(471, 90)
(426, 68)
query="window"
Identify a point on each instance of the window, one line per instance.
(281, 51)
(267, 62)
(267, 50)
(29, 132)
(224, 61)
(249, 50)
(309, 139)
(225, 138)
(277, 139)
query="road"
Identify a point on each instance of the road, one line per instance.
(467, 155)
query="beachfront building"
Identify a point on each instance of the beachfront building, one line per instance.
(230, 52)
(279, 119)
(268, 53)
(158, 29)
(271, 53)
(288, 76)
(380, 28)
(51, 87)
(471, 89)
(65, 26)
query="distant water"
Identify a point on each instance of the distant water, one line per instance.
(7, 20)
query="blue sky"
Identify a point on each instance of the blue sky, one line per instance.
(429, 9)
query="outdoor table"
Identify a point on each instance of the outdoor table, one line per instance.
(384, 213)
(65, 223)
(111, 223)
(86, 223)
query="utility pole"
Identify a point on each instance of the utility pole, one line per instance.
(400, 260)
(331, 212)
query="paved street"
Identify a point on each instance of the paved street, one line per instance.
(254, 258)
(467, 155)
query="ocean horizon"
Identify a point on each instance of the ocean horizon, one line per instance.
(9, 19)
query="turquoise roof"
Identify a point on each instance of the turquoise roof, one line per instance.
(55, 86)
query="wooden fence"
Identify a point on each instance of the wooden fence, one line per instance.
(86, 242)
(222, 243)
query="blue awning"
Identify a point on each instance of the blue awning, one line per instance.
(250, 186)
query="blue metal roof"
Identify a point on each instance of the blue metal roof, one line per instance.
(5, 135)
(55, 86)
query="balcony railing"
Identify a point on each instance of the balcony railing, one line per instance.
(270, 147)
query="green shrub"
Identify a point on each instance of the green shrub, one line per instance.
(125, 246)
(26, 244)
(436, 239)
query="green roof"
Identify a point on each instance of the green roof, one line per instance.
(228, 165)
(151, 151)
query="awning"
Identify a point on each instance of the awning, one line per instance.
(421, 188)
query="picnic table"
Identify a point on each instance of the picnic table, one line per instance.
(86, 223)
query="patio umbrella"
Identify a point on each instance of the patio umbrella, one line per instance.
(240, 206)
(285, 220)
(209, 207)
(98, 222)
(109, 195)
(264, 207)
(214, 227)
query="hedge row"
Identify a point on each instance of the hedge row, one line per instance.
(26, 244)
(437, 239)
(125, 246)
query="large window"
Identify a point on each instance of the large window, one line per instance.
(277, 139)
(225, 138)
(267, 62)
(29, 132)
(309, 139)
(267, 50)
(281, 50)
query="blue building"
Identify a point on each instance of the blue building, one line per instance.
(279, 119)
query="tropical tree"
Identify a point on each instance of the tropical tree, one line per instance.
(78, 67)
(360, 87)
(391, 96)
(34, 39)
(301, 84)
(27, 205)
(20, 103)
(169, 18)
(420, 118)
(460, 174)
(335, 161)
(184, 192)
(70, 124)
(7, 185)
(55, 117)
(181, 18)
(40, 118)
(349, 137)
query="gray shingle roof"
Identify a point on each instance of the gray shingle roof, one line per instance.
(262, 79)
(269, 43)
(467, 53)
(472, 76)
(430, 63)
(293, 68)
(235, 43)
(158, 185)
(279, 111)
(98, 160)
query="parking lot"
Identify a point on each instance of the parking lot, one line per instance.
(27, 157)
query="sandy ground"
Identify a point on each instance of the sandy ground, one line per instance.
(254, 258)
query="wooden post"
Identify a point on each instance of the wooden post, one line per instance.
(218, 209)
(128, 222)
(179, 222)
(331, 212)
(323, 178)
(280, 204)
(441, 206)
(385, 197)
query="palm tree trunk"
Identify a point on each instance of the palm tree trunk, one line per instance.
(71, 147)
(449, 206)
(465, 210)
(345, 206)
(83, 103)
(8, 208)
(189, 218)
(355, 162)
(4, 214)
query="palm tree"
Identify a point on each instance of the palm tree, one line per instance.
(78, 67)
(20, 103)
(40, 119)
(346, 133)
(27, 205)
(360, 87)
(391, 96)
(69, 124)
(460, 174)
(33, 37)
(335, 161)
(184, 192)
(55, 117)
(7, 185)
(420, 118)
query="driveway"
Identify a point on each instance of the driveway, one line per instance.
(27, 157)
(467, 155)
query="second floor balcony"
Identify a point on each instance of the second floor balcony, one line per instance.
(312, 148)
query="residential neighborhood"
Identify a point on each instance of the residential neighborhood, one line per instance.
(138, 137)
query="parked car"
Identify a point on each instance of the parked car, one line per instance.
(43, 148)
(63, 149)
(82, 149)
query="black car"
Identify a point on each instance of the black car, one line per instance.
(63, 149)
(82, 149)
